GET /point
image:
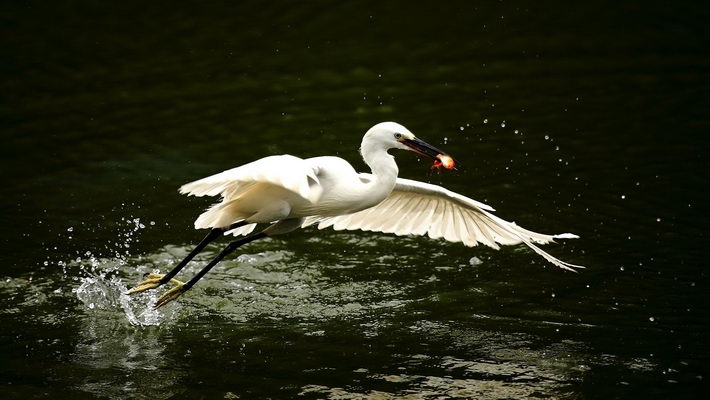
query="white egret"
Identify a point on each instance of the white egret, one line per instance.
(288, 192)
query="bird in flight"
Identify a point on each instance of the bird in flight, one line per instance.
(288, 193)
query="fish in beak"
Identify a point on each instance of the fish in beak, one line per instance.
(441, 159)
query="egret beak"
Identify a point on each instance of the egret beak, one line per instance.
(439, 156)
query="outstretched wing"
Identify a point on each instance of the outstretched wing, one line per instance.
(287, 171)
(417, 208)
(284, 171)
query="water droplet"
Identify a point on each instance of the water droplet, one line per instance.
(547, 137)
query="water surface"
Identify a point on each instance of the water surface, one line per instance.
(589, 118)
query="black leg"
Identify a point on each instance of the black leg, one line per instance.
(152, 281)
(230, 248)
(173, 293)
(211, 236)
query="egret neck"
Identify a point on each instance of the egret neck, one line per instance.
(383, 167)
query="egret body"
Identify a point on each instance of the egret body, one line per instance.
(288, 192)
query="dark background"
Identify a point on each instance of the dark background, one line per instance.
(588, 117)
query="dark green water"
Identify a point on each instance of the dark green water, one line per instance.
(588, 118)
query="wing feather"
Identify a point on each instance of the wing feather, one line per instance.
(417, 208)
(285, 171)
(292, 174)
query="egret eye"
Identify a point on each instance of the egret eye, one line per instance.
(398, 136)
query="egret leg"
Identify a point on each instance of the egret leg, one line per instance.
(179, 289)
(152, 281)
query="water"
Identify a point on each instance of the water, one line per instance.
(589, 119)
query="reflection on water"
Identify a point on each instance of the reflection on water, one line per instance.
(442, 336)
(114, 360)
(501, 366)
(124, 345)
(268, 284)
(463, 379)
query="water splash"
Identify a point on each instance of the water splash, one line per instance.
(102, 289)
(101, 280)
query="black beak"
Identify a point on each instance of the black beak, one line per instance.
(425, 149)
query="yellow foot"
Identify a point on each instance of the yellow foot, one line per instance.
(171, 294)
(152, 282)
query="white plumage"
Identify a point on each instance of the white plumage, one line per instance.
(328, 192)
(287, 193)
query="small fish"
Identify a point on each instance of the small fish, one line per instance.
(444, 161)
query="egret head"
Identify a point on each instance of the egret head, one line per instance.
(391, 135)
